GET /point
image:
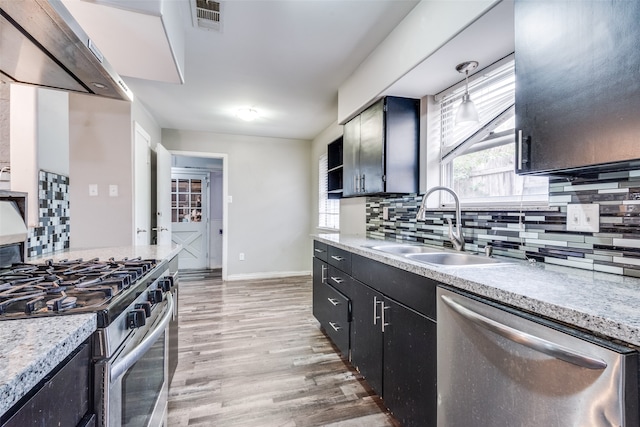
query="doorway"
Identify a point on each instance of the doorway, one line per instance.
(207, 251)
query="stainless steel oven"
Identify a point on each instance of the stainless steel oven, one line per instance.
(132, 373)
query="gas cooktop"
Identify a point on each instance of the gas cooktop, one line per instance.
(72, 286)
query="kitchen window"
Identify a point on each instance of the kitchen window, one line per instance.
(328, 209)
(478, 161)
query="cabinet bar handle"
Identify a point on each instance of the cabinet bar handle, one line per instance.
(362, 184)
(519, 149)
(338, 280)
(333, 301)
(337, 258)
(323, 275)
(335, 326)
(355, 184)
(382, 321)
(375, 310)
(318, 250)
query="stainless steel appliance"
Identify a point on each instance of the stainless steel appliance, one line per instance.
(502, 367)
(43, 45)
(135, 303)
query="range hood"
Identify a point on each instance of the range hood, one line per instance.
(42, 44)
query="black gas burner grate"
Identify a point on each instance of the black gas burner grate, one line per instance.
(67, 286)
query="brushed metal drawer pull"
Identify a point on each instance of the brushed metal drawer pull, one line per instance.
(333, 301)
(337, 258)
(323, 275)
(318, 250)
(375, 310)
(335, 326)
(338, 280)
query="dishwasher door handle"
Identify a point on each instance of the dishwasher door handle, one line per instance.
(536, 343)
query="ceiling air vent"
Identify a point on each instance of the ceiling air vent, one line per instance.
(207, 14)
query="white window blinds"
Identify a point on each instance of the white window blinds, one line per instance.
(328, 209)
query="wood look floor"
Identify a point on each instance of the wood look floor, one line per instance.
(252, 354)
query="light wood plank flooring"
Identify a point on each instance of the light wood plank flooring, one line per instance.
(252, 354)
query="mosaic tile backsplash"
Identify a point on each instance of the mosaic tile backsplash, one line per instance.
(52, 233)
(538, 234)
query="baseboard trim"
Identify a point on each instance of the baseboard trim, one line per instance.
(266, 275)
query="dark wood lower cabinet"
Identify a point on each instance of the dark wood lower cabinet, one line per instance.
(409, 379)
(394, 348)
(391, 321)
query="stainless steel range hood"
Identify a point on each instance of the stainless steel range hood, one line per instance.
(42, 44)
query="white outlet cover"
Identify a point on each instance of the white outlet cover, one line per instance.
(93, 190)
(113, 190)
(583, 217)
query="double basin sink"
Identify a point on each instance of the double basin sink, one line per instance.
(436, 256)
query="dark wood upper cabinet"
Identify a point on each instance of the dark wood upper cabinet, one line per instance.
(381, 148)
(577, 86)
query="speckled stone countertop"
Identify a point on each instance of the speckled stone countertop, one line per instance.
(117, 252)
(31, 348)
(606, 304)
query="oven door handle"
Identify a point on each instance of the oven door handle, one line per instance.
(119, 368)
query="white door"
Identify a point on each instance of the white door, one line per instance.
(163, 197)
(190, 218)
(142, 187)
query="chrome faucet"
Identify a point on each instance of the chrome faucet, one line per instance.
(456, 237)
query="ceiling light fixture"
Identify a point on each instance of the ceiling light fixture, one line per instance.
(467, 112)
(247, 114)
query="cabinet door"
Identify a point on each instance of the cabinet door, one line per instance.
(372, 148)
(366, 344)
(409, 365)
(319, 295)
(351, 157)
(577, 102)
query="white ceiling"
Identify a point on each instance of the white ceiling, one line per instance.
(286, 59)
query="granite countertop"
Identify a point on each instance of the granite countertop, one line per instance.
(117, 252)
(605, 304)
(31, 348)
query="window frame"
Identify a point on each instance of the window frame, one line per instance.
(327, 207)
(480, 138)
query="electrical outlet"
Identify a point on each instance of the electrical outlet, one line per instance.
(93, 190)
(113, 190)
(583, 217)
(241, 256)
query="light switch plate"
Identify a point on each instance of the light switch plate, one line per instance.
(113, 190)
(93, 190)
(583, 217)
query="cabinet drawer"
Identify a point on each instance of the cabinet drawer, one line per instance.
(333, 311)
(340, 258)
(336, 324)
(339, 280)
(320, 250)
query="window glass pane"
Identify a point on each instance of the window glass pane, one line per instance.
(481, 168)
(328, 209)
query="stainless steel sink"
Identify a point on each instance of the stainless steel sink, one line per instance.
(403, 249)
(453, 258)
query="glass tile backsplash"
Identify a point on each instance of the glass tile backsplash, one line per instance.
(538, 234)
(52, 232)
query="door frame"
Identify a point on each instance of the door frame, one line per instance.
(225, 199)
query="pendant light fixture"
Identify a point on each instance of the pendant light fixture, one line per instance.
(467, 112)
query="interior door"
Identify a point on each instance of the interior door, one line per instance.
(163, 197)
(190, 218)
(142, 187)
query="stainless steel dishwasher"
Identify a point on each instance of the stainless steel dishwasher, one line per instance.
(499, 367)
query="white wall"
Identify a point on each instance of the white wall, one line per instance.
(269, 217)
(101, 152)
(39, 135)
(429, 26)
